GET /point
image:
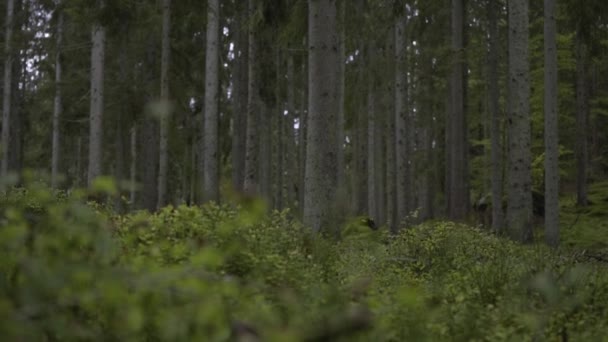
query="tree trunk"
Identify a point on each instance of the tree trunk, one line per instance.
(551, 129)
(291, 179)
(7, 87)
(251, 157)
(58, 107)
(163, 158)
(582, 109)
(148, 137)
(302, 133)
(401, 121)
(458, 193)
(97, 99)
(211, 170)
(498, 216)
(371, 152)
(321, 175)
(340, 81)
(389, 139)
(239, 115)
(133, 171)
(519, 194)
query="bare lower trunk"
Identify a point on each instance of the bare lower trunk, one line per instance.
(401, 114)
(58, 107)
(458, 195)
(498, 216)
(371, 154)
(239, 115)
(582, 109)
(321, 174)
(211, 187)
(519, 207)
(133, 171)
(7, 87)
(163, 159)
(251, 155)
(97, 100)
(551, 128)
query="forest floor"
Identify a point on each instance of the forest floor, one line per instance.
(586, 228)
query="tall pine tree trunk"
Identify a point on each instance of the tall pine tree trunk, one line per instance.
(7, 87)
(252, 155)
(371, 152)
(321, 175)
(58, 106)
(239, 104)
(340, 82)
(519, 176)
(582, 109)
(163, 158)
(210, 155)
(498, 216)
(551, 128)
(97, 98)
(458, 193)
(401, 121)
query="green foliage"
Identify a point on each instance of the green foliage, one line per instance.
(72, 271)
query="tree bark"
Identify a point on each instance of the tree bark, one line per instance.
(401, 121)
(291, 178)
(7, 88)
(371, 152)
(163, 159)
(321, 175)
(551, 128)
(58, 106)
(498, 216)
(97, 98)
(252, 143)
(519, 194)
(340, 91)
(239, 123)
(458, 193)
(582, 110)
(210, 155)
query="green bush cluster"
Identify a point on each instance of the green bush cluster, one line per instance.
(74, 271)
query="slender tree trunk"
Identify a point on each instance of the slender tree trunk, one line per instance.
(211, 185)
(302, 139)
(340, 77)
(458, 194)
(239, 128)
(582, 109)
(58, 107)
(321, 175)
(551, 129)
(498, 218)
(401, 121)
(360, 188)
(291, 179)
(279, 141)
(264, 152)
(389, 139)
(148, 136)
(251, 158)
(371, 152)
(133, 171)
(97, 99)
(519, 207)
(163, 159)
(7, 87)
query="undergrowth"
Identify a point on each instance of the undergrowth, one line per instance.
(74, 271)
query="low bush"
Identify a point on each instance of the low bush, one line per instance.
(74, 271)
